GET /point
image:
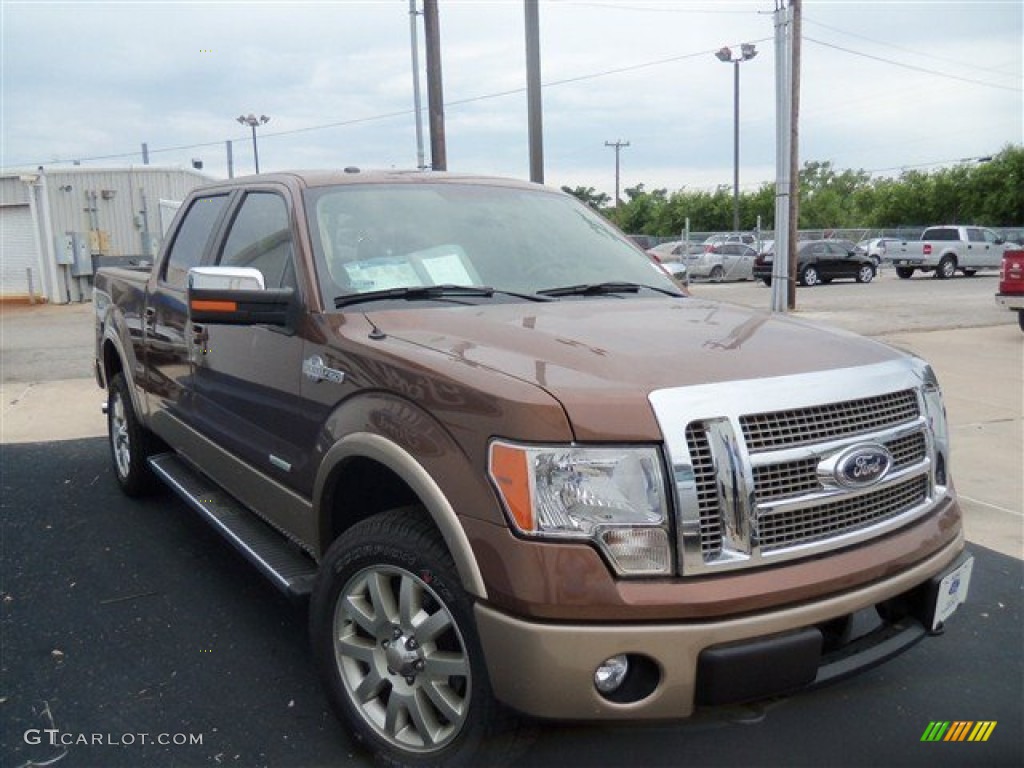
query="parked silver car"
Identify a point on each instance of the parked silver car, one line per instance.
(724, 261)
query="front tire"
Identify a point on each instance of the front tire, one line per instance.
(717, 274)
(809, 276)
(1020, 319)
(865, 274)
(904, 273)
(396, 644)
(131, 444)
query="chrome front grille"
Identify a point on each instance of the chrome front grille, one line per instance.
(802, 426)
(803, 526)
(769, 486)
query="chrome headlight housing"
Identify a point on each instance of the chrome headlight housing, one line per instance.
(935, 412)
(612, 497)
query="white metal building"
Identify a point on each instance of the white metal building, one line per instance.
(53, 222)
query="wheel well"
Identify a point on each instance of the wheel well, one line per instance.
(112, 363)
(361, 488)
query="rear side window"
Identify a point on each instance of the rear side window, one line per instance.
(261, 237)
(941, 233)
(193, 235)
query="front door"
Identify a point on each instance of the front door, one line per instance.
(248, 377)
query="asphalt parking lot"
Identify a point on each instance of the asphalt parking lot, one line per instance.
(121, 618)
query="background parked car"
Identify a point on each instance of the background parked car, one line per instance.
(876, 247)
(822, 261)
(724, 261)
(746, 238)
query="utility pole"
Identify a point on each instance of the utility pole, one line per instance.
(417, 106)
(794, 155)
(618, 145)
(533, 100)
(435, 92)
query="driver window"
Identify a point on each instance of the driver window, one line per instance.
(261, 237)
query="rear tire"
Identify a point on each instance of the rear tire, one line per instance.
(131, 444)
(717, 274)
(394, 638)
(904, 273)
(946, 268)
(767, 281)
(1020, 319)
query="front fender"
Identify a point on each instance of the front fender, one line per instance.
(416, 448)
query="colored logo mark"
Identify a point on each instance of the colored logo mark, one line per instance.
(959, 730)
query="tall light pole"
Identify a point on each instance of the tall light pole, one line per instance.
(746, 53)
(252, 121)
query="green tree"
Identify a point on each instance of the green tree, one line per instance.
(596, 200)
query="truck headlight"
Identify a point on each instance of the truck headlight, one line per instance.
(612, 497)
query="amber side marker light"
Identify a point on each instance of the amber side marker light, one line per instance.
(208, 305)
(510, 473)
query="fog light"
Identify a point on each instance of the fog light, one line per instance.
(610, 674)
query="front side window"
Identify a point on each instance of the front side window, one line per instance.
(261, 237)
(975, 235)
(376, 237)
(192, 237)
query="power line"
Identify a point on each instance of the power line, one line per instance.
(966, 65)
(912, 66)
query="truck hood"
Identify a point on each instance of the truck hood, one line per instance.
(601, 357)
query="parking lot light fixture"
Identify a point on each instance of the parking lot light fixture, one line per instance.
(252, 121)
(746, 52)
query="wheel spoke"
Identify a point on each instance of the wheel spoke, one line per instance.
(423, 719)
(357, 648)
(370, 687)
(433, 626)
(448, 703)
(381, 597)
(446, 664)
(356, 610)
(410, 602)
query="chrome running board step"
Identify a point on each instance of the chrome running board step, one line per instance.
(283, 562)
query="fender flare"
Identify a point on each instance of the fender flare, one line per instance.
(402, 463)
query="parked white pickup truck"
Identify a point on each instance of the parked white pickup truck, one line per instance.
(944, 250)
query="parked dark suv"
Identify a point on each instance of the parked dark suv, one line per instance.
(822, 261)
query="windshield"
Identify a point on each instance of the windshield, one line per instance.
(380, 237)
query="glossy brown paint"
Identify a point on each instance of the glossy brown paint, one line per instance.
(571, 582)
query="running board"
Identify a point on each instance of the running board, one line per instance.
(271, 552)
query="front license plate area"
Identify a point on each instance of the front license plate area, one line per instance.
(952, 591)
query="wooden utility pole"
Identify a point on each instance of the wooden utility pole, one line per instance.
(794, 157)
(435, 92)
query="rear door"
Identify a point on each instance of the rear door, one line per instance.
(247, 377)
(168, 367)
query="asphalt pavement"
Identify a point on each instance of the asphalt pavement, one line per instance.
(123, 617)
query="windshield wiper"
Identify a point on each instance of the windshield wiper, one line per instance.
(600, 289)
(428, 292)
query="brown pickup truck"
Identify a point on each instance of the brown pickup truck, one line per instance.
(514, 467)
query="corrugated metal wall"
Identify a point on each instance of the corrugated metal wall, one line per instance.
(122, 202)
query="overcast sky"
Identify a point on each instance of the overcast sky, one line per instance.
(886, 85)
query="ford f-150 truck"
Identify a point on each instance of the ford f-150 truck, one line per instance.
(514, 467)
(1011, 284)
(945, 250)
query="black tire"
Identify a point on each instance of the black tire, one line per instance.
(970, 272)
(131, 444)
(865, 274)
(430, 711)
(946, 268)
(717, 274)
(809, 276)
(904, 273)
(1020, 319)
(767, 281)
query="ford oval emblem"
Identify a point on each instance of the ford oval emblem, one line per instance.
(861, 465)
